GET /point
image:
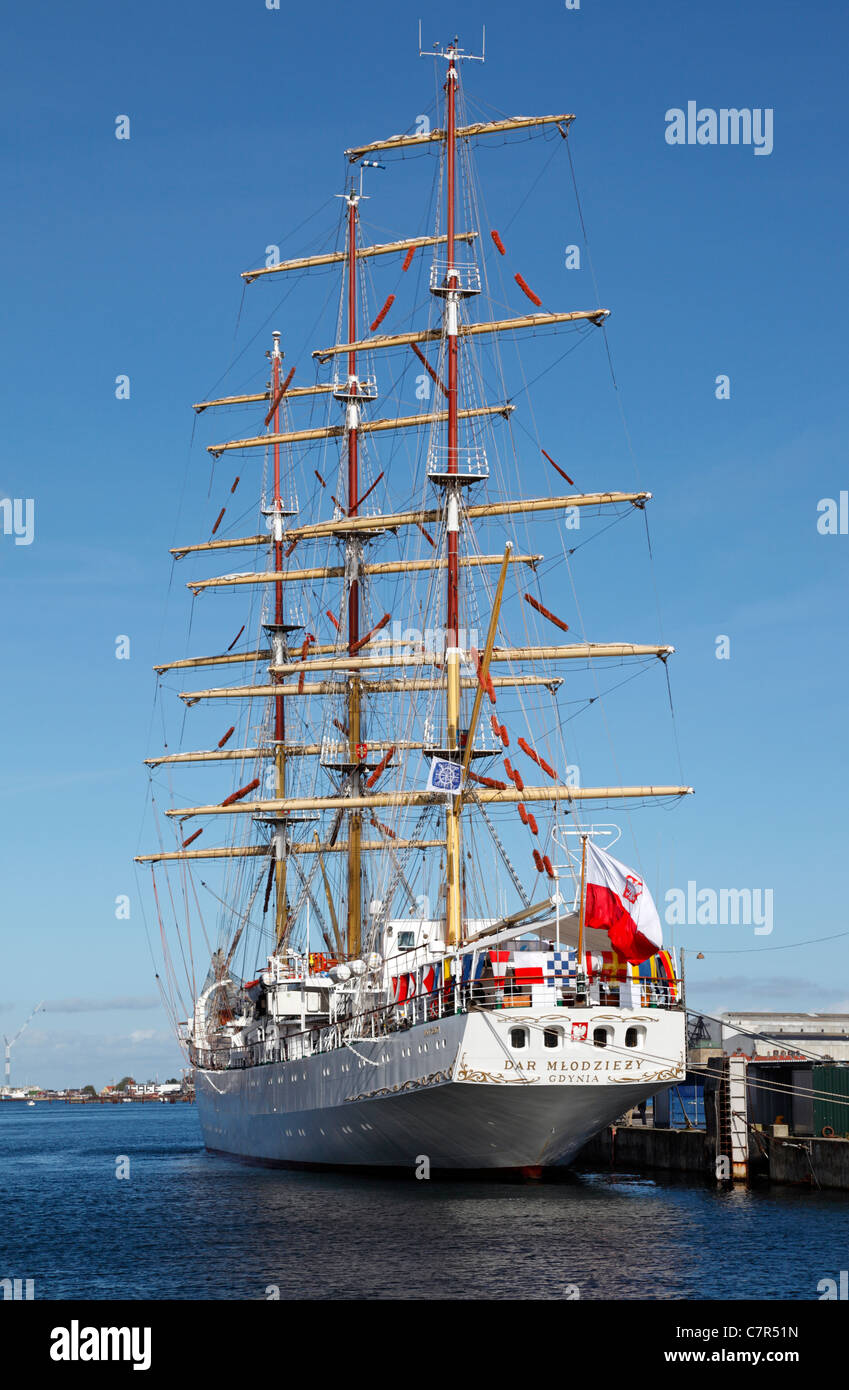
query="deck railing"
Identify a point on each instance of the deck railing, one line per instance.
(448, 1000)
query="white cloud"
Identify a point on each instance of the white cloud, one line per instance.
(60, 1059)
(88, 1006)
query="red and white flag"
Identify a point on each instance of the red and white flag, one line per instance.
(618, 902)
(499, 961)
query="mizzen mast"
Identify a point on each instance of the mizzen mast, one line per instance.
(350, 395)
(277, 635)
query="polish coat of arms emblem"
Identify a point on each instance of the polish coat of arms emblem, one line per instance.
(632, 890)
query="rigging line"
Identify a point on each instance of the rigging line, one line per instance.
(746, 1032)
(287, 236)
(156, 704)
(585, 704)
(238, 319)
(783, 1088)
(653, 576)
(141, 896)
(546, 566)
(543, 170)
(170, 1011)
(495, 350)
(294, 282)
(752, 950)
(168, 965)
(582, 338)
(584, 233)
(245, 915)
(601, 704)
(517, 882)
(674, 723)
(777, 1086)
(625, 428)
(178, 517)
(166, 952)
(233, 360)
(307, 894)
(203, 929)
(185, 878)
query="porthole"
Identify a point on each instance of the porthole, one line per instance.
(518, 1037)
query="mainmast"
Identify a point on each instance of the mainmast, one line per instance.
(452, 291)
(353, 553)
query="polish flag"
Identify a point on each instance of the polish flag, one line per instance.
(618, 902)
(499, 961)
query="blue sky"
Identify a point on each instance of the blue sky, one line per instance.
(123, 257)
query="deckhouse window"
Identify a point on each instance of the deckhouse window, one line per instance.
(406, 940)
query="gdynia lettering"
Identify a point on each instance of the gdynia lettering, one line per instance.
(725, 907)
(727, 126)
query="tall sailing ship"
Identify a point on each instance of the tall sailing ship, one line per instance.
(425, 954)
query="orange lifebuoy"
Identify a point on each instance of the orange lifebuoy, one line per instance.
(827, 1132)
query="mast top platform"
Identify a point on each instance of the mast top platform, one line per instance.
(280, 629)
(453, 53)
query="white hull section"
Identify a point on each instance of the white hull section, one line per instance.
(456, 1092)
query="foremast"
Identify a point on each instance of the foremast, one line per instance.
(452, 487)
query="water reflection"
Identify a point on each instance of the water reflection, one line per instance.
(186, 1225)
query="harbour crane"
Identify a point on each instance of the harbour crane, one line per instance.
(10, 1043)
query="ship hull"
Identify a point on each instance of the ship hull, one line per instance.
(444, 1097)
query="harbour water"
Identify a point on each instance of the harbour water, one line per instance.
(184, 1225)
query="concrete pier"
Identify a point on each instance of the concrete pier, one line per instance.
(640, 1146)
(819, 1163)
